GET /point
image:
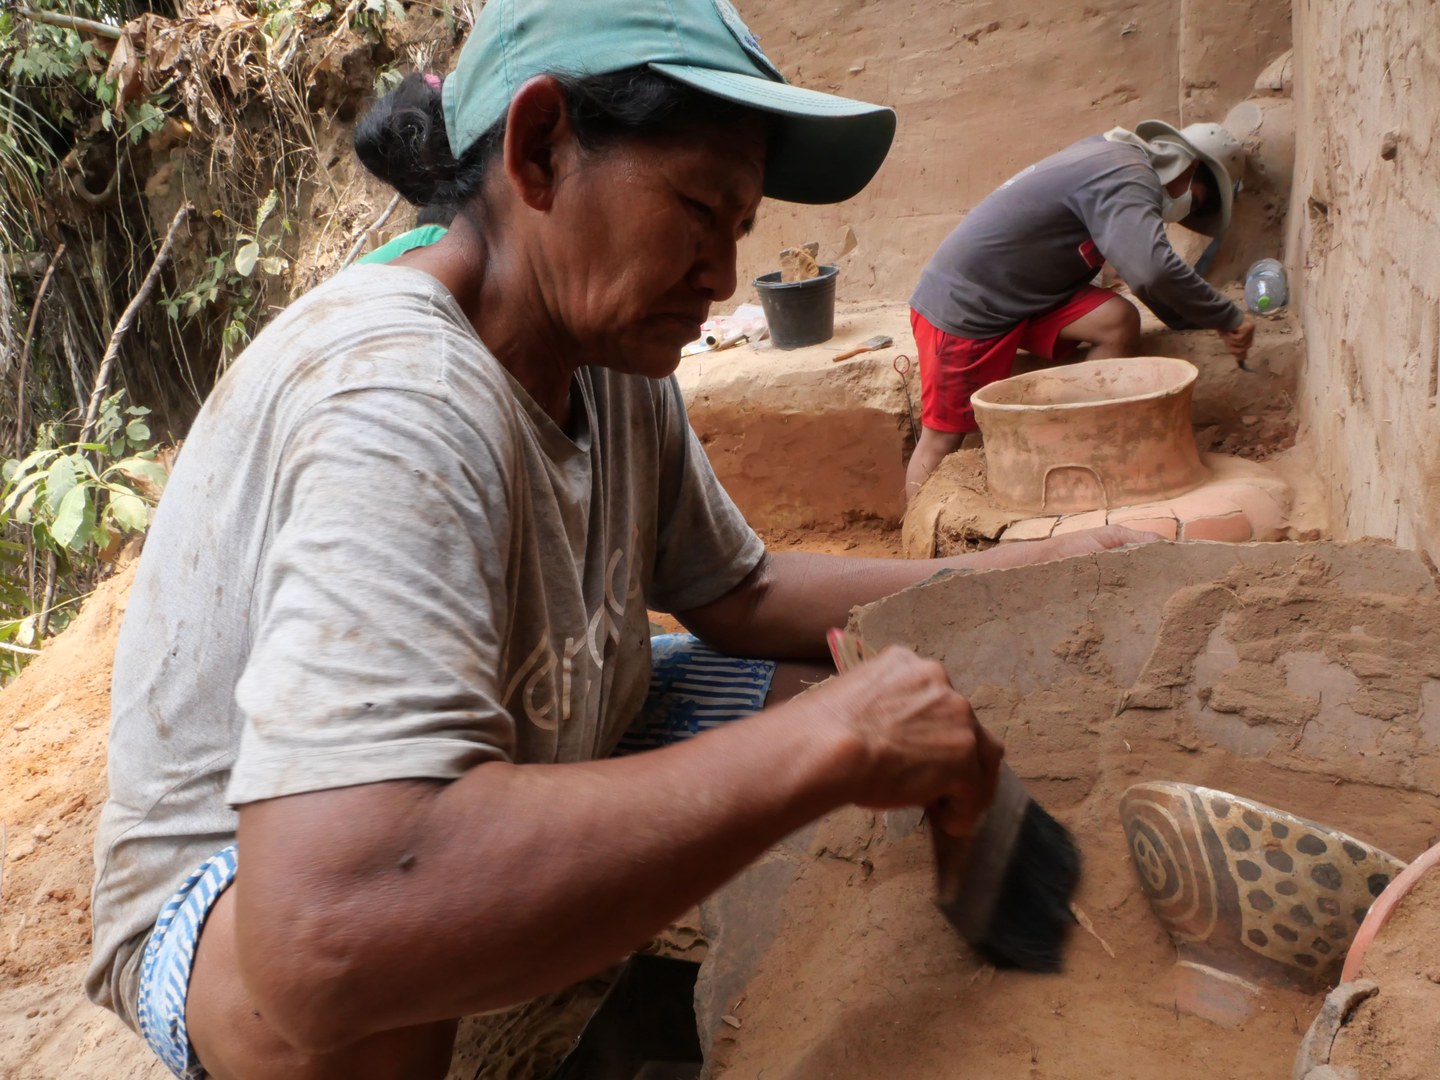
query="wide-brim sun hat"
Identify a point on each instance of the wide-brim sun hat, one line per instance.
(823, 148)
(1215, 148)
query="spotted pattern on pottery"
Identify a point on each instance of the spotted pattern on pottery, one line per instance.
(1220, 870)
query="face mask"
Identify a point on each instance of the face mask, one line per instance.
(1175, 209)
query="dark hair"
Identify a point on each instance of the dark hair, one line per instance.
(402, 138)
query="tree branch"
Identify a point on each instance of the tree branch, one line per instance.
(380, 221)
(127, 319)
(24, 369)
(71, 22)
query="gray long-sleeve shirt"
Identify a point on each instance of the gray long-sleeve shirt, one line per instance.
(1035, 240)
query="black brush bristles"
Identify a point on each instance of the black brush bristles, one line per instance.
(1031, 917)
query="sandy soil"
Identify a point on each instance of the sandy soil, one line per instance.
(53, 725)
(1282, 684)
(868, 980)
(1394, 1034)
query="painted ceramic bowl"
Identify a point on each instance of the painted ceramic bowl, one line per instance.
(1248, 889)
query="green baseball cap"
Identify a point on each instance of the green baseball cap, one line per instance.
(824, 149)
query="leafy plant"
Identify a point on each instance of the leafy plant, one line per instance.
(79, 495)
(368, 17)
(231, 280)
(250, 253)
(141, 118)
(387, 78)
(64, 509)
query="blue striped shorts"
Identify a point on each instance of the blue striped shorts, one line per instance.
(692, 688)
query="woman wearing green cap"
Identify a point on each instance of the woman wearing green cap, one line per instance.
(390, 623)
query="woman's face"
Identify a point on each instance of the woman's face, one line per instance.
(644, 242)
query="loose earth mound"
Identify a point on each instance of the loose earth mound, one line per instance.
(1297, 676)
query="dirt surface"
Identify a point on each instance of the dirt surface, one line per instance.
(870, 981)
(54, 720)
(1394, 1034)
(800, 441)
(1298, 678)
(870, 539)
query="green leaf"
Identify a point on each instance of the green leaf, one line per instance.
(273, 265)
(128, 511)
(19, 491)
(137, 410)
(71, 516)
(246, 258)
(22, 512)
(9, 469)
(59, 479)
(139, 468)
(35, 459)
(138, 432)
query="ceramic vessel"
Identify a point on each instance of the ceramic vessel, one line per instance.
(1250, 890)
(1380, 911)
(1090, 436)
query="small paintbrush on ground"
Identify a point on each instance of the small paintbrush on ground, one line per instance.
(1007, 889)
(879, 341)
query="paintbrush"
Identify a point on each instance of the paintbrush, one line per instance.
(1006, 888)
(879, 341)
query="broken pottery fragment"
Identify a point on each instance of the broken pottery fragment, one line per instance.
(1247, 889)
(1312, 1060)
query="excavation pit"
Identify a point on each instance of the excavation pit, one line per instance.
(1299, 676)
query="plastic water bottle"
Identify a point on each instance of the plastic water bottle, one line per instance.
(1265, 288)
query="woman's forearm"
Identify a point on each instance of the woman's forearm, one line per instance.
(371, 908)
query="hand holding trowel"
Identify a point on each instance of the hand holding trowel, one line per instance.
(1239, 340)
(1006, 887)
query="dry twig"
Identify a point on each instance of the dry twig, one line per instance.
(1089, 928)
(72, 22)
(127, 319)
(379, 223)
(24, 369)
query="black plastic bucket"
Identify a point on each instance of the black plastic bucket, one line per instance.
(799, 312)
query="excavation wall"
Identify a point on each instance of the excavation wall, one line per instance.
(1364, 237)
(985, 87)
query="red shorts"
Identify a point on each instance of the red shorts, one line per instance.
(952, 368)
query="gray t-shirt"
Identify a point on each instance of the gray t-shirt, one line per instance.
(378, 559)
(1035, 240)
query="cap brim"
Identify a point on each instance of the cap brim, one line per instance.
(823, 148)
(1217, 221)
